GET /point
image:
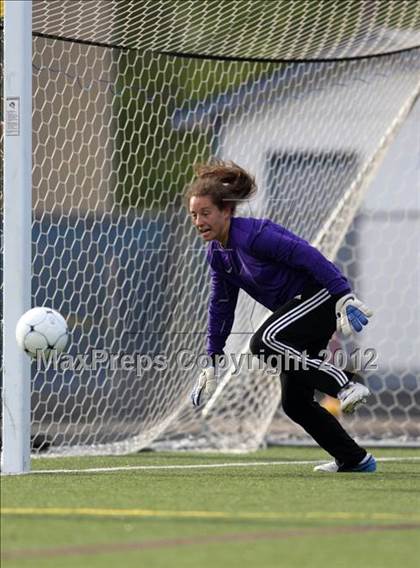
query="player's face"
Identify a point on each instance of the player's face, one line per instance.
(211, 222)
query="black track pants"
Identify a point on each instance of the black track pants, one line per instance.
(290, 339)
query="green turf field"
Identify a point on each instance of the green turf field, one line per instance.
(251, 514)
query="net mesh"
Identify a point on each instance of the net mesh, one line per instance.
(116, 133)
(284, 29)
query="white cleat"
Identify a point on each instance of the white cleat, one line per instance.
(330, 467)
(351, 396)
(367, 465)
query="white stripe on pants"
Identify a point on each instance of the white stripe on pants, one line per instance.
(292, 316)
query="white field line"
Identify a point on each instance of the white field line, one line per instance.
(206, 466)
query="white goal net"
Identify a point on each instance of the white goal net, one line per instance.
(319, 100)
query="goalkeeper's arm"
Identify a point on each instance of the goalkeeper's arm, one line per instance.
(281, 245)
(221, 313)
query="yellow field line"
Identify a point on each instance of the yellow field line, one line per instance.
(139, 513)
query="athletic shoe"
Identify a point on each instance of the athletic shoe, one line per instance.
(351, 396)
(367, 465)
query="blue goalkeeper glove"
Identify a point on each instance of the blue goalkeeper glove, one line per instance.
(351, 314)
(204, 387)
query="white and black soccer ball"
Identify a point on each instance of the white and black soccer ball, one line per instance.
(42, 329)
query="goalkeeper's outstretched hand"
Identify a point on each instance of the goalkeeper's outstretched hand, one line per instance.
(204, 387)
(351, 314)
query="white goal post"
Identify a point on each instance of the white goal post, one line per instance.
(17, 214)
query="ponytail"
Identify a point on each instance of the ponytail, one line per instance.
(226, 183)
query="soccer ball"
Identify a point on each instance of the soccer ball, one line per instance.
(331, 404)
(42, 329)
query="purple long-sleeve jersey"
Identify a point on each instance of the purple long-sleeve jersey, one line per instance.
(270, 263)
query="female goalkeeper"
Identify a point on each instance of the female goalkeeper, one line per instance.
(307, 294)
